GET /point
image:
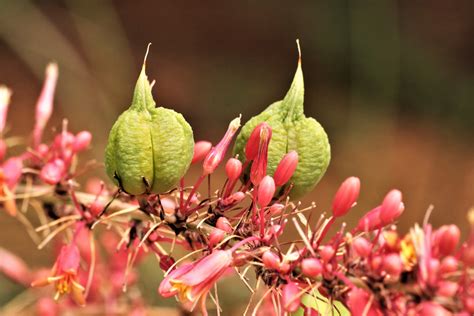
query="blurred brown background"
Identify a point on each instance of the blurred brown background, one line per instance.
(391, 81)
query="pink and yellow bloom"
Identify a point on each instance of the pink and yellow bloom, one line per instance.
(193, 281)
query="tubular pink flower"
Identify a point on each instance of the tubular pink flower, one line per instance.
(253, 143)
(64, 275)
(266, 190)
(291, 297)
(392, 207)
(346, 196)
(201, 149)
(233, 168)
(192, 282)
(44, 106)
(5, 95)
(259, 166)
(286, 168)
(216, 154)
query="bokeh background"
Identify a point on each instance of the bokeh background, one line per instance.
(391, 81)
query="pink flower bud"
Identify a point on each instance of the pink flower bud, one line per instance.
(370, 221)
(42, 150)
(233, 168)
(447, 288)
(393, 264)
(233, 198)
(166, 262)
(201, 149)
(215, 237)
(53, 171)
(327, 252)
(224, 224)
(392, 207)
(311, 267)
(447, 238)
(448, 264)
(346, 196)
(276, 209)
(291, 297)
(259, 166)
(96, 208)
(362, 247)
(251, 148)
(357, 301)
(286, 168)
(5, 95)
(82, 141)
(44, 106)
(216, 154)
(376, 263)
(432, 309)
(266, 190)
(12, 170)
(271, 260)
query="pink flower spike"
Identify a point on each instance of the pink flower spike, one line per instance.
(286, 168)
(266, 190)
(259, 166)
(251, 148)
(233, 168)
(201, 149)
(291, 297)
(311, 267)
(216, 154)
(447, 238)
(346, 196)
(53, 172)
(5, 95)
(44, 106)
(392, 207)
(81, 141)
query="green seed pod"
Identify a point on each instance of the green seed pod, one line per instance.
(292, 130)
(149, 148)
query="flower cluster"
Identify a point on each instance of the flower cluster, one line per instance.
(100, 234)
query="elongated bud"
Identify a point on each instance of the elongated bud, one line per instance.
(224, 224)
(233, 168)
(447, 238)
(311, 267)
(271, 260)
(81, 141)
(44, 106)
(266, 190)
(5, 95)
(346, 196)
(392, 207)
(201, 149)
(259, 165)
(216, 154)
(215, 237)
(53, 171)
(233, 198)
(286, 168)
(251, 148)
(362, 247)
(276, 209)
(393, 264)
(371, 220)
(291, 297)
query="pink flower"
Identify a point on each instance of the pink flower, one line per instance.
(286, 168)
(346, 196)
(44, 106)
(360, 303)
(64, 275)
(192, 282)
(447, 238)
(392, 207)
(216, 154)
(258, 170)
(253, 143)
